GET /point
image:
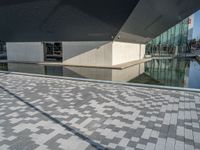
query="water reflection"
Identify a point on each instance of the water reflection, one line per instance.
(170, 72)
(107, 74)
(79, 72)
(174, 72)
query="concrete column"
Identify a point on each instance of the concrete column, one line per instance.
(126, 52)
(101, 53)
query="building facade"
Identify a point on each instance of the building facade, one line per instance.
(93, 33)
(172, 42)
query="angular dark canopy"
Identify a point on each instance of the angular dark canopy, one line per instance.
(90, 20)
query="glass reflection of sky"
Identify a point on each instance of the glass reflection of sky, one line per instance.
(194, 75)
(196, 29)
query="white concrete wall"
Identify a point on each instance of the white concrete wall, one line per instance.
(88, 53)
(143, 48)
(126, 52)
(92, 53)
(101, 53)
(25, 51)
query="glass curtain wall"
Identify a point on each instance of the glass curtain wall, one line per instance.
(170, 43)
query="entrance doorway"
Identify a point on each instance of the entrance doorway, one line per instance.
(3, 53)
(53, 51)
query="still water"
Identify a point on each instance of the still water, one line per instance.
(169, 72)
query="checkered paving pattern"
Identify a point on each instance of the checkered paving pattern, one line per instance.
(38, 113)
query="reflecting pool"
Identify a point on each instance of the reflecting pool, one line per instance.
(171, 72)
(166, 72)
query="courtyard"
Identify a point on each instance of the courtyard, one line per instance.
(48, 113)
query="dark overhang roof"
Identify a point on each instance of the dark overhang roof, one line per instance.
(90, 20)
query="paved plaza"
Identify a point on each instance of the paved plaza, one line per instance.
(38, 113)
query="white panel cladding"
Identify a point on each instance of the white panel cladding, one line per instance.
(101, 53)
(25, 51)
(123, 52)
(143, 47)
(91, 53)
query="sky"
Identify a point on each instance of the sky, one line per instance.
(196, 29)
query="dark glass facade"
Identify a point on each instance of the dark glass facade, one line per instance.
(171, 42)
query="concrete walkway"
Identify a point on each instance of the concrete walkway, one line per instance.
(38, 113)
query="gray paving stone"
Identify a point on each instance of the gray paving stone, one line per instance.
(49, 113)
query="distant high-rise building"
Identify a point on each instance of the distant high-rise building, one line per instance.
(190, 27)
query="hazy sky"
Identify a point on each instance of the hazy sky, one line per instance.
(196, 29)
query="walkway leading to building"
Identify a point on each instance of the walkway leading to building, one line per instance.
(48, 113)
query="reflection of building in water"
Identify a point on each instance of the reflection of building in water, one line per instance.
(171, 72)
(54, 70)
(79, 72)
(27, 68)
(106, 74)
(4, 66)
